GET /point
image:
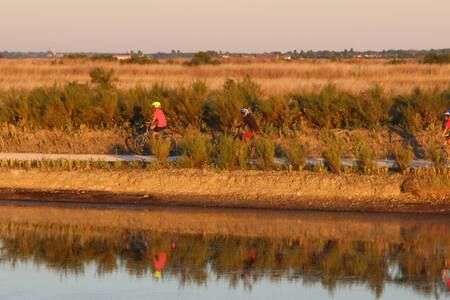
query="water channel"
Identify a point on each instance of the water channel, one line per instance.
(161, 253)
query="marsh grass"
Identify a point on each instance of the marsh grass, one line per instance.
(275, 77)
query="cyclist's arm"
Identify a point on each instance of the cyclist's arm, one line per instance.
(154, 121)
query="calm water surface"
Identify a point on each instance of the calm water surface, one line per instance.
(48, 261)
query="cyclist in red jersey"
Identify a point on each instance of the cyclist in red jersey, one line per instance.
(159, 121)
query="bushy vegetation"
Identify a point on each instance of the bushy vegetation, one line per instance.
(101, 105)
(333, 152)
(161, 150)
(232, 154)
(296, 155)
(264, 150)
(366, 157)
(196, 150)
(403, 156)
(436, 58)
(203, 58)
(140, 60)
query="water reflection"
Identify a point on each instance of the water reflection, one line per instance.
(418, 261)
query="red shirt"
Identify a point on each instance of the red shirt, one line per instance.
(159, 118)
(447, 124)
(160, 262)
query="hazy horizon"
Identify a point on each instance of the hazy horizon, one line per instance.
(237, 26)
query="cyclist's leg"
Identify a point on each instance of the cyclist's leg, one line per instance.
(157, 131)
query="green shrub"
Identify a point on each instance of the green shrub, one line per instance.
(296, 155)
(102, 77)
(371, 108)
(420, 109)
(403, 156)
(436, 58)
(330, 108)
(140, 60)
(101, 105)
(161, 150)
(232, 154)
(203, 58)
(265, 153)
(396, 61)
(435, 153)
(366, 158)
(333, 153)
(185, 106)
(221, 110)
(196, 150)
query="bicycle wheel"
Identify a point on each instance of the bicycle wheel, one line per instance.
(141, 144)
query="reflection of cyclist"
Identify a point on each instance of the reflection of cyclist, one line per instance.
(446, 279)
(446, 132)
(159, 263)
(249, 262)
(248, 124)
(159, 121)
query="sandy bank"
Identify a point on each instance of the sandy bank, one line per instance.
(250, 189)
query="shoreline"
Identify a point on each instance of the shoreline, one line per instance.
(277, 190)
(234, 222)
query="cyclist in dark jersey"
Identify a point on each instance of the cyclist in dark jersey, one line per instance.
(249, 125)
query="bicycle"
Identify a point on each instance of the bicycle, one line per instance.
(140, 142)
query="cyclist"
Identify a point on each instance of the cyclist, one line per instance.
(159, 121)
(446, 132)
(248, 124)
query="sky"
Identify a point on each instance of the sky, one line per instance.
(225, 25)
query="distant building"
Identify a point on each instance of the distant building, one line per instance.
(122, 57)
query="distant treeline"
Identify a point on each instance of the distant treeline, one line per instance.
(330, 54)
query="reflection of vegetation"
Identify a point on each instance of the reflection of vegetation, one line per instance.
(330, 262)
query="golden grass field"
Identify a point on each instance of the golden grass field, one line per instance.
(274, 76)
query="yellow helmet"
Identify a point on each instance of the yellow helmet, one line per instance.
(156, 104)
(157, 274)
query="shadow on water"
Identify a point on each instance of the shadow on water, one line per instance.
(330, 249)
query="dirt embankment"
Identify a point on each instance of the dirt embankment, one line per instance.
(235, 222)
(209, 188)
